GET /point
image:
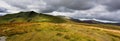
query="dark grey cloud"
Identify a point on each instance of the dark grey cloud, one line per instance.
(71, 4)
(113, 5)
(80, 9)
(2, 10)
(50, 5)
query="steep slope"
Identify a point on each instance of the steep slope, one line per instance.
(41, 27)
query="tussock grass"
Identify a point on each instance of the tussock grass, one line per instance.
(46, 31)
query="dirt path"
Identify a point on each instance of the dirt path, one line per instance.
(117, 31)
(110, 30)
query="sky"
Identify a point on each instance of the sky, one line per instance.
(108, 10)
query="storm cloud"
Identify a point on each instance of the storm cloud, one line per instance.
(80, 9)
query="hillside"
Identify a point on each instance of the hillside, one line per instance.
(32, 26)
(30, 16)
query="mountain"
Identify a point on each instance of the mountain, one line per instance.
(30, 16)
(32, 26)
(86, 21)
(94, 22)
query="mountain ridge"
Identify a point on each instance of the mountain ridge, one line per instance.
(94, 22)
(30, 16)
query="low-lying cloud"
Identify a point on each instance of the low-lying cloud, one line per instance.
(80, 9)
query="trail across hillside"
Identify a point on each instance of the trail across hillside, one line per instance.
(105, 29)
(62, 31)
(117, 31)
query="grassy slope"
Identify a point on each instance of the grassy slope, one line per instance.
(30, 17)
(55, 32)
(50, 28)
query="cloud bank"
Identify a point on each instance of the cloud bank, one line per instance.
(80, 9)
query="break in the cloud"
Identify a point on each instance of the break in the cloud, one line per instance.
(80, 9)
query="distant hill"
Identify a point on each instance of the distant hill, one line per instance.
(32, 26)
(93, 22)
